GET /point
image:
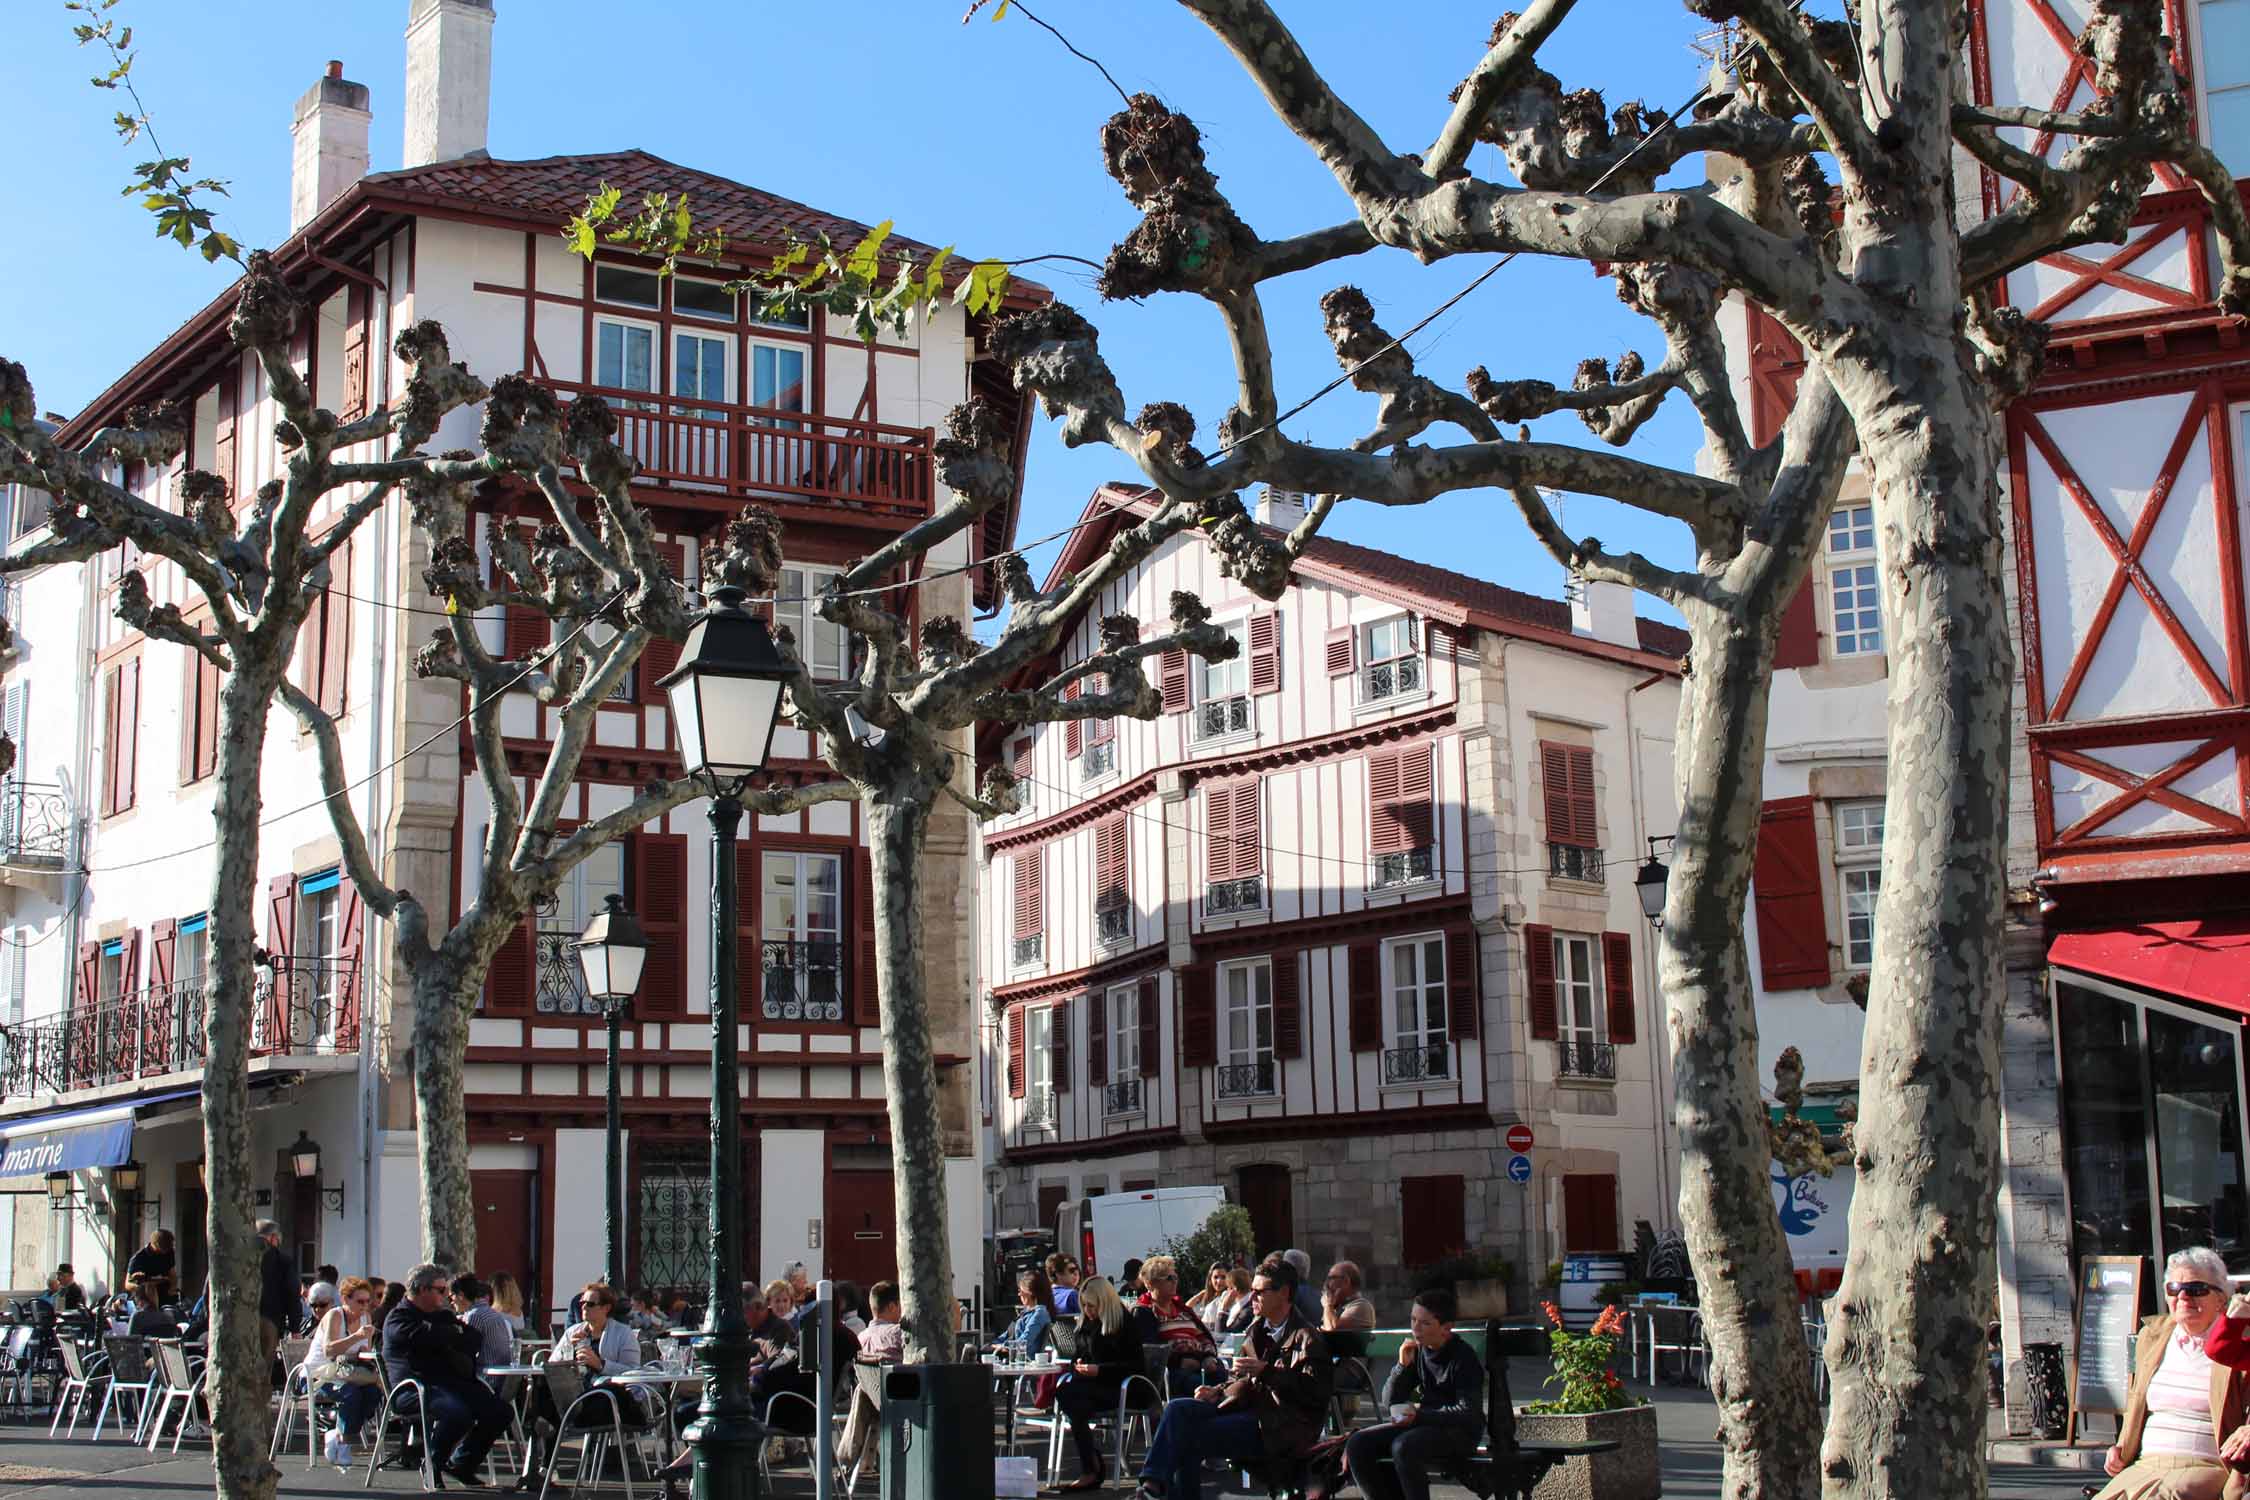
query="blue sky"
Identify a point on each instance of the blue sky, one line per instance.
(982, 135)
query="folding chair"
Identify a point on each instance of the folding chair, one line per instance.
(581, 1405)
(300, 1389)
(129, 1374)
(1140, 1401)
(80, 1376)
(182, 1384)
(415, 1423)
(19, 1361)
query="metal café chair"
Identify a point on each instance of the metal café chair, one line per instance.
(582, 1403)
(182, 1385)
(299, 1390)
(129, 1374)
(80, 1376)
(413, 1419)
(1140, 1401)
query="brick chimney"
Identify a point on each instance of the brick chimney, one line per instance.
(448, 79)
(328, 143)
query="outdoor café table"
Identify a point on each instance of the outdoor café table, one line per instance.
(1005, 1376)
(656, 1377)
(529, 1373)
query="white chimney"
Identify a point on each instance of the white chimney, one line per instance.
(1280, 509)
(448, 79)
(328, 144)
(1604, 611)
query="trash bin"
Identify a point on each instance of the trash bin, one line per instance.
(937, 1432)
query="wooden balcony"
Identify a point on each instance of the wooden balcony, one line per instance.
(739, 453)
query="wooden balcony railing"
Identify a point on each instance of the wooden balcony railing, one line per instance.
(757, 452)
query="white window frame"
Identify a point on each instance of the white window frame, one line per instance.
(1581, 1016)
(1124, 1011)
(1253, 1004)
(1854, 581)
(716, 320)
(1039, 1066)
(655, 332)
(800, 928)
(1423, 1001)
(726, 345)
(750, 370)
(1225, 682)
(602, 268)
(1858, 845)
(815, 637)
(1406, 671)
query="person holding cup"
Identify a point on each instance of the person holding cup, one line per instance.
(1436, 1398)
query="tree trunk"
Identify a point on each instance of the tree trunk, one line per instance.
(1760, 1375)
(1906, 1348)
(442, 1006)
(897, 822)
(240, 1384)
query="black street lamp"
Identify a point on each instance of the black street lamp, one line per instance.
(612, 953)
(1651, 882)
(725, 698)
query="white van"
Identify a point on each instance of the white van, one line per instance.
(1107, 1231)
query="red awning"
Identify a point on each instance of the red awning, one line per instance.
(2205, 960)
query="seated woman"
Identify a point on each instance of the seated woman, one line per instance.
(1440, 1382)
(604, 1344)
(1190, 1356)
(1109, 1350)
(343, 1331)
(2184, 1418)
(1035, 1301)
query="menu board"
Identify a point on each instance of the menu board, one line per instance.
(2109, 1317)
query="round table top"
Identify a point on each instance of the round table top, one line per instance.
(1011, 1372)
(652, 1375)
(513, 1370)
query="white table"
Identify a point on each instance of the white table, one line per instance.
(1006, 1375)
(530, 1373)
(656, 1377)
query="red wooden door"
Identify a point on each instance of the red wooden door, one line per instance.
(1590, 1213)
(862, 1228)
(1263, 1191)
(507, 1205)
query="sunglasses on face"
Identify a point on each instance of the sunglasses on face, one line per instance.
(2189, 1289)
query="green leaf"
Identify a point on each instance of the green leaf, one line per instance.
(867, 254)
(1001, 11)
(933, 280)
(790, 257)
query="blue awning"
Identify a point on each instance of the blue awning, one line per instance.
(70, 1140)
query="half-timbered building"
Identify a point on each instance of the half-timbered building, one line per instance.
(1353, 902)
(720, 409)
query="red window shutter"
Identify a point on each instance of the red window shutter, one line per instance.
(1030, 906)
(129, 729)
(1590, 1213)
(1058, 1046)
(1339, 649)
(207, 707)
(658, 864)
(1785, 891)
(1385, 835)
(508, 979)
(661, 655)
(351, 942)
(129, 971)
(1218, 832)
(1172, 677)
(353, 402)
(222, 446)
(1101, 731)
(1097, 1039)
(527, 633)
(1265, 652)
(112, 695)
(1776, 363)
(1798, 644)
(1539, 981)
(1016, 1070)
(1247, 829)
(1463, 1008)
(1019, 759)
(1417, 792)
(281, 915)
(1110, 874)
(1151, 1019)
(1288, 1006)
(867, 1002)
(163, 946)
(1554, 781)
(336, 632)
(1074, 730)
(1364, 971)
(1199, 1020)
(1617, 982)
(1584, 826)
(87, 985)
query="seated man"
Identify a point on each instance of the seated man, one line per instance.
(424, 1341)
(1343, 1307)
(1440, 1381)
(884, 1343)
(1271, 1408)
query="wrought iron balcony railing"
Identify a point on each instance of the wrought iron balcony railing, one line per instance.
(1405, 867)
(1029, 950)
(559, 979)
(1217, 718)
(1039, 1108)
(764, 452)
(1099, 759)
(1397, 678)
(1578, 1058)
(1122, 1097)
(1224, 898)
(35, 824)
(1571, 862)
(1113, 924)
(1428, 1062)
(803, 981)
(300, 1006)
(1246, 1080)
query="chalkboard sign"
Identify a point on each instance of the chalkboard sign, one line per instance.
(2109, 1320)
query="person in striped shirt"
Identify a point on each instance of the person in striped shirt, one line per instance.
(2184, 1427)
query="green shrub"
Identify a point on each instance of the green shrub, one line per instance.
(1222, 1236)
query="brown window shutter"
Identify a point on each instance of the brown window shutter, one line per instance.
(1074, 730)
(353, 402)
(1590, 1213)
(1417, 816)
(1265, 652)
(1199, 1020)
(508, 979)
(1385, 835)
(867, 1002)
(87, 985)
(1151, 1020)
(1585, 828)
(661, 654)
(1433, 1221)
(1218, 832)
(1172, 677)
(1463, 1009)
(351, 942)
(1785, 891)
(527, 633)
(1364, 971)
(129, 970)
(112, 688)
(1016, 1068)
(1247, 829)
(1554, 782)
(1339, 649)
(1030, 907)
(658, 866)
(1539, 981)
(1097, 1038)
(222, 446)
(1617, 982)
(163, 947)
(281, 915)
(1100, 731)
(336, 632)
(1798, 644)
(1019, 759)
(129, 727)
(207, 718)
(1111, 886)
(1288, 1006)
(1058, 1046)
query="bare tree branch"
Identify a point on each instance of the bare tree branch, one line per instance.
(1496, 72)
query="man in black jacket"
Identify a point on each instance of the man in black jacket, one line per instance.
(423, 1341)
(277, 1289)
(1440, 1382)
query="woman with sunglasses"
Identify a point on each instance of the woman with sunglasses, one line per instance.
(2183, 1429)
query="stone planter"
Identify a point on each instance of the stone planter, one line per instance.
(1629, 1473)
(1482, 1299)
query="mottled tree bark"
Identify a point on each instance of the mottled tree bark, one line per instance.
(445, 995)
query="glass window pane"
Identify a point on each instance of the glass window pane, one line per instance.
(778, 912)
(702, 299)
(2225, 58)
(779, 376)
(624, 284)
(2198, 1138)
(2105, 1126)
(2230, 123)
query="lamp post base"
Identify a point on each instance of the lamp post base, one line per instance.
(727, 1435)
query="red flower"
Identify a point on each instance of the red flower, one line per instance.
(1554, 1314)
(1611, 1377)
(1610, 1321)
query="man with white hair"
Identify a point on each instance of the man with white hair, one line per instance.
(2188, 1416)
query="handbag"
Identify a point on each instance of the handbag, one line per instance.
(344, 1372)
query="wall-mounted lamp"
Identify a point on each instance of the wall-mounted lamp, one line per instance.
(126, 1178)
(60, 1190)
(304, 1160)
(1652, 881)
